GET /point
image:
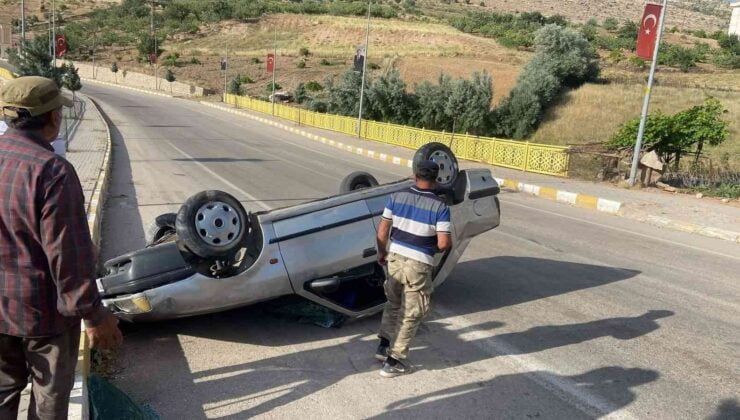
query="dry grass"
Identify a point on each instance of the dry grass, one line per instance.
(593, 113)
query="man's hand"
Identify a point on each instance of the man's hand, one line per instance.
(382, 258)
(105, 335)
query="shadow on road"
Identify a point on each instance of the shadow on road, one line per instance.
(728, 409)
(263, 384)
(497, 398)
(121, 206)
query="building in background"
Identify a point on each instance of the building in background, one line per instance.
(735, 20)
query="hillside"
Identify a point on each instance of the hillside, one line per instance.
(709, 15)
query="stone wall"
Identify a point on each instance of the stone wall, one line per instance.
(137, 80)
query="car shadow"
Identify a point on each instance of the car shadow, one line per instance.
(728, 409)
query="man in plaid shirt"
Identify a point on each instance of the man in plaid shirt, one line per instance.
(47, 259)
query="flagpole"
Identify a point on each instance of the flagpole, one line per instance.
(226, 70)
(23, 25)
(646, 103)
(364, 68)
(54, 32)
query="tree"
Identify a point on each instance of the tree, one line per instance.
(114, 69)
(235, 85)
(170, 77)
(146, 44)
(71, 80)
(674, 135)
(391, 102)
(300, 94)
(564, 58)
(344, 96)
(432, 100)
(611, 24)
(35, 60)
(470, 103)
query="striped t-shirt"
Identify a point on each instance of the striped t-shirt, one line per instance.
(417, 216)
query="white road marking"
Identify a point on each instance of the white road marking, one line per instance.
(219, 177)
(655, 238)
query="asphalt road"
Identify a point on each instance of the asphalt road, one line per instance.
(560, 313)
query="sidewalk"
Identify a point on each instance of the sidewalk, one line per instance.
(683, 212)
(88, 151)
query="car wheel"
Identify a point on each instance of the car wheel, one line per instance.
(357, 181)
(212, 224)
(449, 169)
(162, 226)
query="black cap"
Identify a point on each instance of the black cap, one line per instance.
(427, 170)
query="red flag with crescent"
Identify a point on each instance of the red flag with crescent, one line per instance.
(61, 45)
(648, 35)
(270, 63)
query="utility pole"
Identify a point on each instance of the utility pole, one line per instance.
(646, 103)
(364, 70)
(93, 52)
(226, 70)
(274, 68)
(54, 33)
(23, 25)
(153, 33)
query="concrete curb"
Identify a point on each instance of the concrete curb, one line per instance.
(94, 218)
(150, 92)
(579, 200)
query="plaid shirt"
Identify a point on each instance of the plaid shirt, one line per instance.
(47, 260)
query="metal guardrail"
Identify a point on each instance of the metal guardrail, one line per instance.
(6, 74)
(525, 156)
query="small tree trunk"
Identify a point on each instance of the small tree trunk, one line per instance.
(699, 147)
(678, 160)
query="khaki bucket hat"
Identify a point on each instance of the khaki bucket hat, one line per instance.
(37, 95)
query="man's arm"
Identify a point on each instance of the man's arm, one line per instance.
(384, 233)
(70, 252)
(444, 229)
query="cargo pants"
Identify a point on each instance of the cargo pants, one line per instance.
(408, 289)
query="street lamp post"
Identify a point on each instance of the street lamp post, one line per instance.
(364, 70)
(23, 25)
(274, 68)
(54, 33)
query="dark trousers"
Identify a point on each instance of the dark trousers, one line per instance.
(50, 363)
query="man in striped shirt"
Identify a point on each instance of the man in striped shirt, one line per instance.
(416, 222)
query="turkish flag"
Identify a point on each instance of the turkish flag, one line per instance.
(61, 45)
(270, 63)
(648, 35)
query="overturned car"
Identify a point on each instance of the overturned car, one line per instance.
(213, 256)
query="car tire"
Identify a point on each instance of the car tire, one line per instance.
(357, 181)
(212, 224)
(162, 226)
(449, 169)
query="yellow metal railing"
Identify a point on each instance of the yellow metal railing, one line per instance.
(525, 156)
(6, 74)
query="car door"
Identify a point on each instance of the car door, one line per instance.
(323, 243)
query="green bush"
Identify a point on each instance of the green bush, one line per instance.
(301, 64)
(314, 86)
(674, 135)
(268, 88)
(611, 24)
(304, 52)
(638, 63)
(170, 76)
(325, 62)
(246, 79)
(512, 31)
(235, 85)
(564, 58)
(726, 60)
(616, 56)
(194, 60)
(300, 93)
(373, 66)
(677, 56)
(318, 106)
(255, 60)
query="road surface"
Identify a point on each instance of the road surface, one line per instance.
(559, 313)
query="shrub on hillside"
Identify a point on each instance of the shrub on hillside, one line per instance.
(677, 56)
(611, 24)
(564, 59)
(389, 99)
(300, 93)
(314, 86)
